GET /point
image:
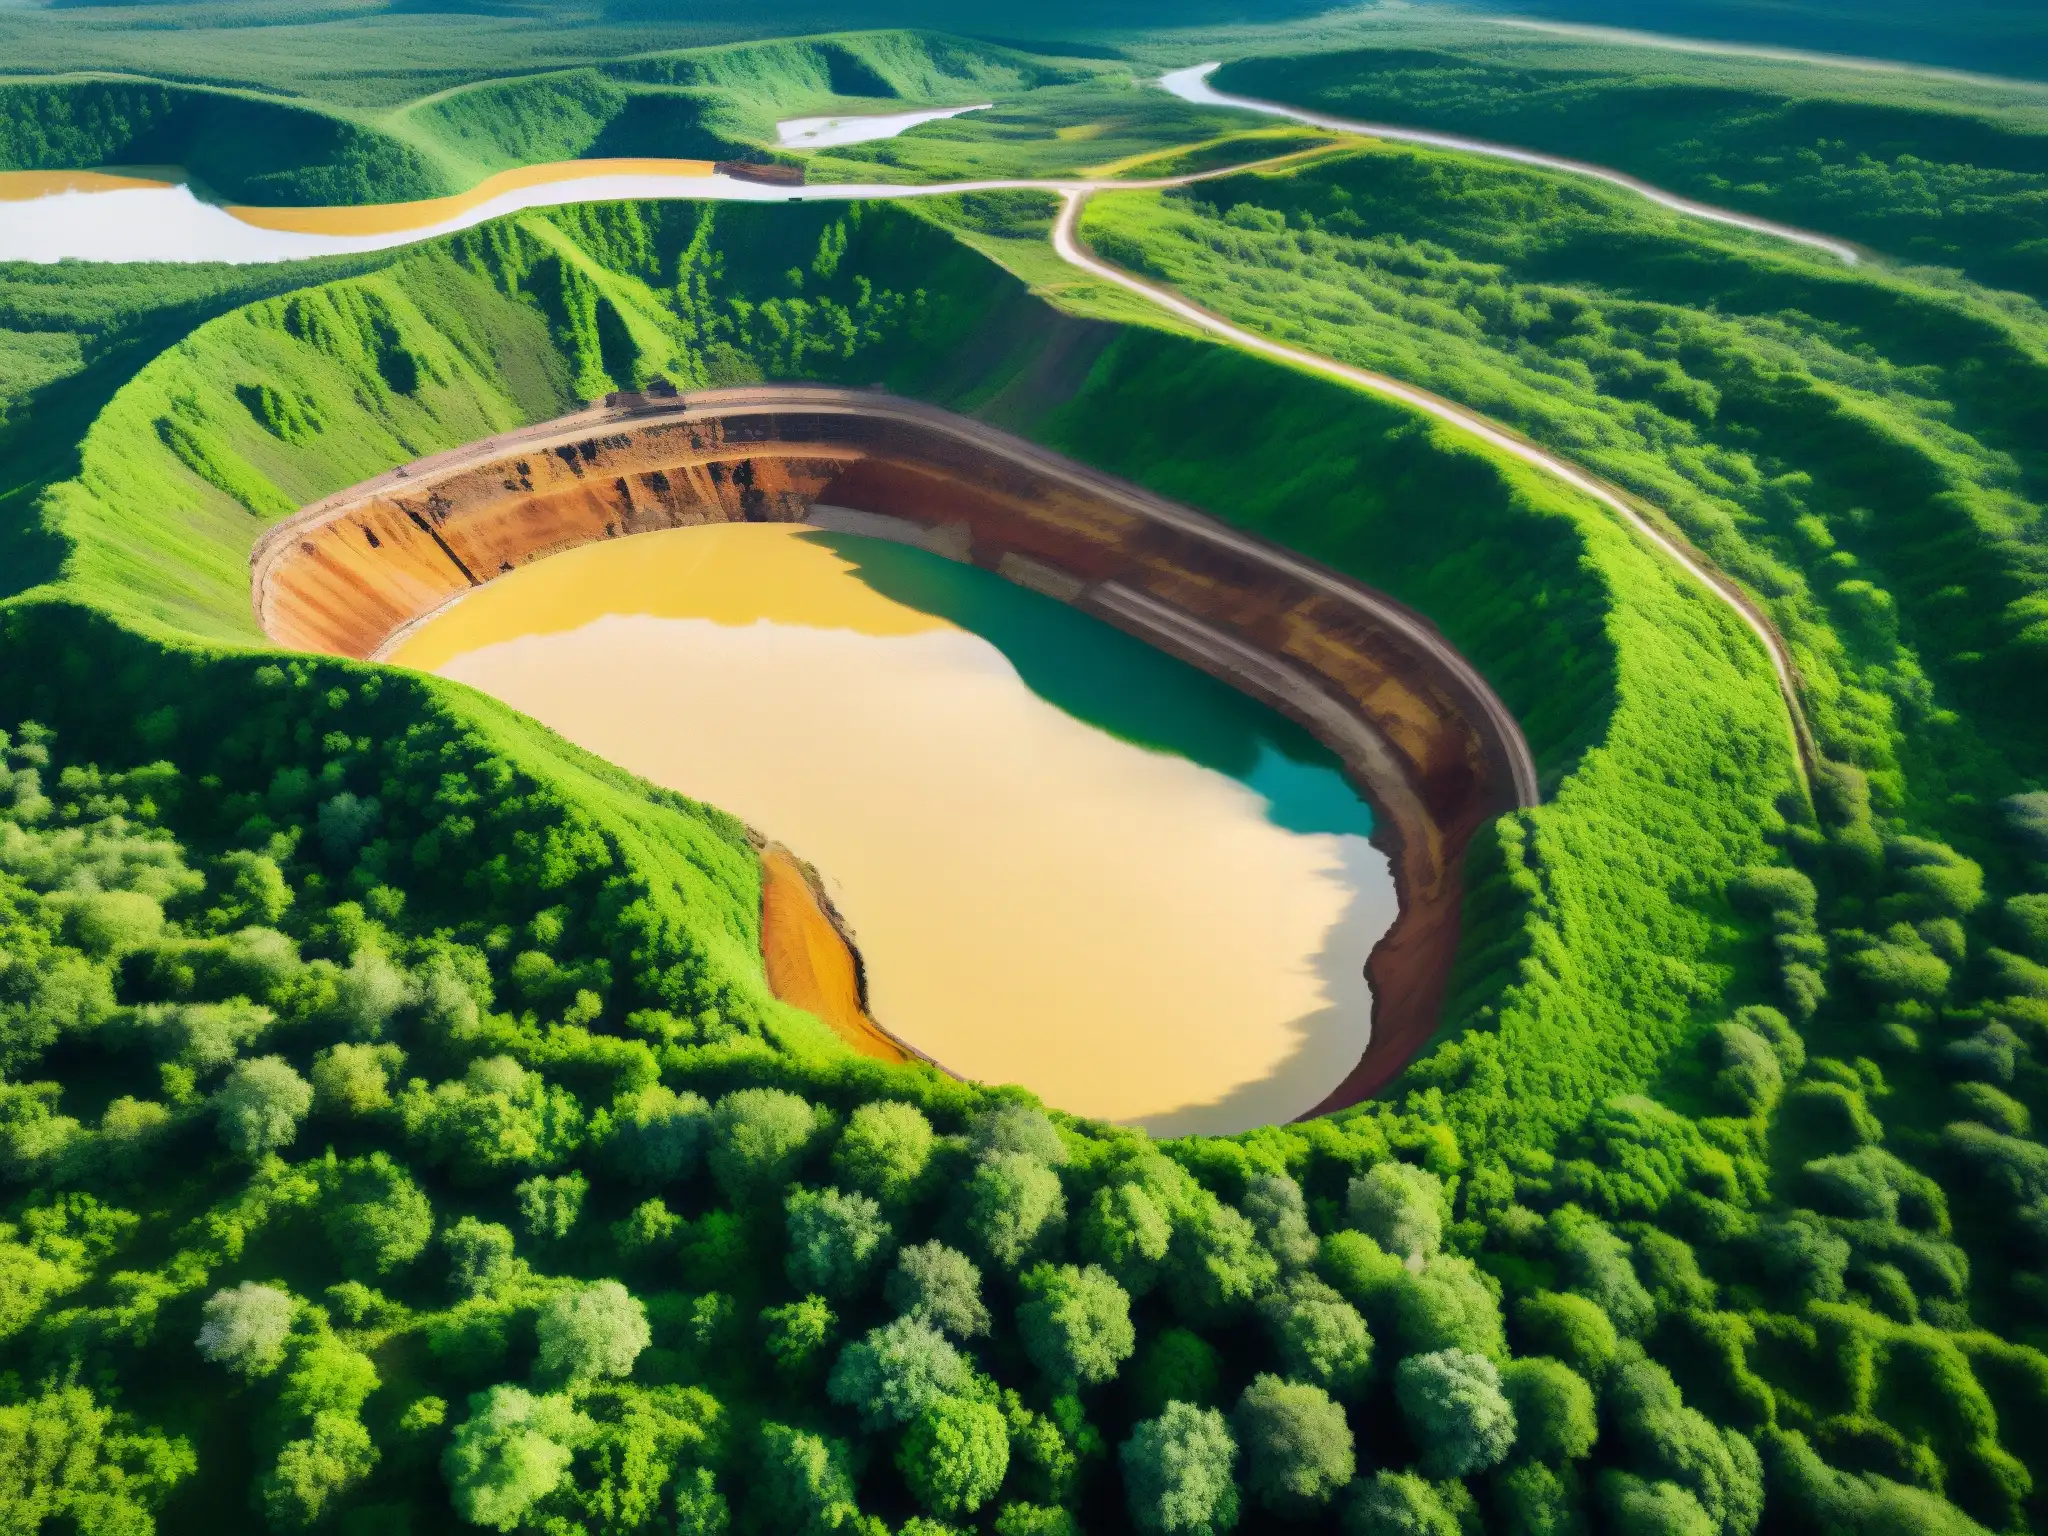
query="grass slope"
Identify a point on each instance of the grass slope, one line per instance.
(1861, 450)
(433, 350)
(1926, 173)
(1594, 1123)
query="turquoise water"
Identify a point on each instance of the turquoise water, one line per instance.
(1117, 683)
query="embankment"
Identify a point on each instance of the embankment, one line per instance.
(1417, 727)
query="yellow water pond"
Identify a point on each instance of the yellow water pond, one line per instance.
(1069, 861)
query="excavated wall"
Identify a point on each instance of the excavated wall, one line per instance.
(1421, 733)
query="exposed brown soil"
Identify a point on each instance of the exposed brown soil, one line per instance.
(809, 962)
(1418, 728)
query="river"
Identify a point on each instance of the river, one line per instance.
(1070, 861)
(94, 216)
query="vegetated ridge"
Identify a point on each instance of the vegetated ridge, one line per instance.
(711, 103)
(1718, 1198)
(1930, 175)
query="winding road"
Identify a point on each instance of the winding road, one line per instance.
(1193, 85)
(1696, 565)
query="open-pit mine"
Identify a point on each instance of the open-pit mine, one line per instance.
(996, 832)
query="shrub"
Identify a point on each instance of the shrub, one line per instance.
(1805, 1258)
(758, 1136)
(480, 1256)
(1127, 1232)
(1554, 1410)
(548, 1208)
(1991, 1055)
(803, 1483)
(798, 1334)
(378, 1218)
(260, 1106)
(1177, 1366)
(512, 1451)
(109, 923)
(597, 1330)
(1321, 1337)
(1750, 1078)
(351, 1080)
(1273, 1203)
(896, 1372)
(1398, 1504)
(1871, 1184)
(1535, 1499)
(1596, 1264)
(835, 1240)
(940, 1285)
(1015, 1206)
(1452, 1304)
(656, 1135)
(884, 1149)
(1717, 1467)
(1400, 1207)
(1017, 1128)
(1653, 1508)
(313, 1472)
(2027, 918)
(1217, 1265)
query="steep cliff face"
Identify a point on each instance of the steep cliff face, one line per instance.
(1420, 731)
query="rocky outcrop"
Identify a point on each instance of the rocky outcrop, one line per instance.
(1422, 734)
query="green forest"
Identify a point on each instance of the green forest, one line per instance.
(398, 1133)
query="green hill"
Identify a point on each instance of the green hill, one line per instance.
(1926, 173)
(691, 104)
(396, 1129)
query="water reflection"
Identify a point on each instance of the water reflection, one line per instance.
(1071, 861)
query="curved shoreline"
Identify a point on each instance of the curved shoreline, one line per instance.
(812, 961)
(1420, 732)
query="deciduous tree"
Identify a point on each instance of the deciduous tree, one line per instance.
(1298, 1451)
(1456, 1411)
(1076, 1326)
(1180, 1473)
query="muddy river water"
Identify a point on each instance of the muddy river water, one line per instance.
(1069, 860)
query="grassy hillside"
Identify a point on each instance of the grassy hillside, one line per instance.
(245, 148)
(513, 321)
(1862, 451)
(178, 474)
(1701, 370)
(711, 103)
(1927, 174)
(1717, 1207)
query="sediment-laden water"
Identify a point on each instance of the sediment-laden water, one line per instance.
(1069, 860)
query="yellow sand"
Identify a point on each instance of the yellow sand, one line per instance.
(387, 218)
(25, 186)
(1123, 931)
